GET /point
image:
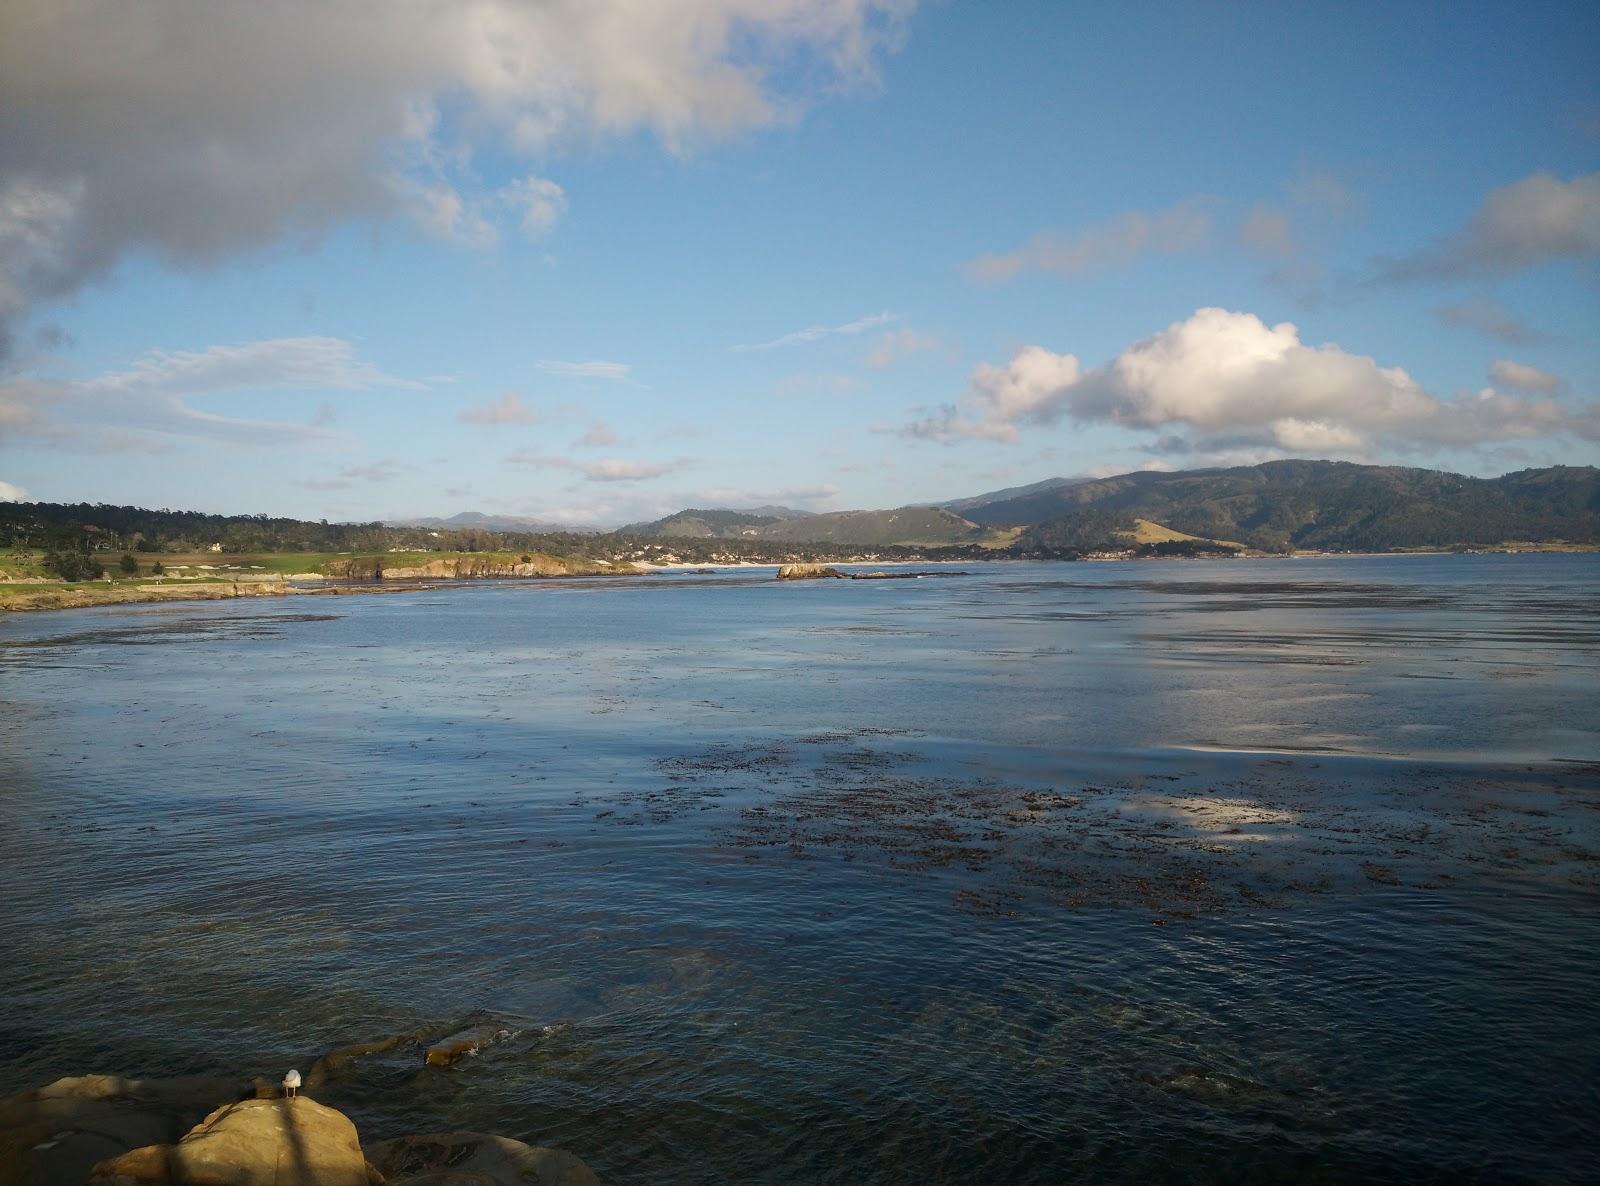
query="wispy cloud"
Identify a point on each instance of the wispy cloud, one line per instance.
(592, 369)
(1507, 373)
(610, 469)
(1486, 316)
(599, 436)
(897, 344)
(508, 409)
(816, 333)
(1117, 241)
(154, 393)
(385, 470)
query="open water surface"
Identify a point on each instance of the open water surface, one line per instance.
(1248, 871)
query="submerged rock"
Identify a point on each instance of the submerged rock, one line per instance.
(808, 572)
(250, 1143)
(476, 1159)
(54, 1135)
(464, 1042)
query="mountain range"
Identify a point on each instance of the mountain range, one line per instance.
(1276, 506)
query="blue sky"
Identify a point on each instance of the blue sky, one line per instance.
(598, 262)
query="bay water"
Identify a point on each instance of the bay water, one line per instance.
(1228, 871)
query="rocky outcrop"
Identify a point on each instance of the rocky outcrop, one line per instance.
(250, 1143)
(477, 566)
(53, 1136)
(476, 1159)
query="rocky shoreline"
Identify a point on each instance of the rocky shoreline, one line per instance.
(106, 1130)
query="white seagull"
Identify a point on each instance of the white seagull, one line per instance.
(291, 1084)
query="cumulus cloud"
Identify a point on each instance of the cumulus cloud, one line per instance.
(611, 469)
(1506, 373)
(1536, 221)
(1484, 315)
(815, 333)
(1028, 389)
(508, 409)
(195, 132)
(1225, 380)
(593, 369)
(1183, 227)
(12, 493)
(154, 393)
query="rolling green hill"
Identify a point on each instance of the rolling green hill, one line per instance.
(1318, 505)
(905, 525)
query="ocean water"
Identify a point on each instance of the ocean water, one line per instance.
(1248, 871)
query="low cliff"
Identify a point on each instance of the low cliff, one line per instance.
(409, 566)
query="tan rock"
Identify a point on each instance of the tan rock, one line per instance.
(251, 1143)
(808, 572)
(476, 1159)
(54, 1135)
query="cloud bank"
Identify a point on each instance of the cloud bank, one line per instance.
(154, 394)
(198, 131)
(1536, 221)
(1222, 380)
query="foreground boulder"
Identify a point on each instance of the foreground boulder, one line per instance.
(250, 1143)
(476, 1159)
(54, 1135)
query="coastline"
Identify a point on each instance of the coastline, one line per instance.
(35, 596)
(91, 595)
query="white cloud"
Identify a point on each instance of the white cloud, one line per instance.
(1536, 221)
(1485, 315)
(12, 493)
(1118, 241)
(195, 133)
(1028, 389)
(154, 393)
(611, 469)
(815, 333)
(1506, 373)
(593, 369)
(599, 436)
(1224, 380)
(508, 409)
